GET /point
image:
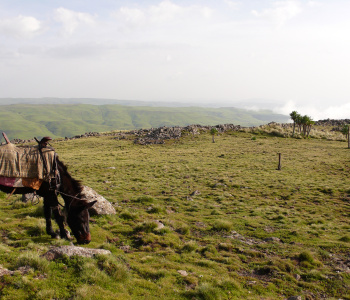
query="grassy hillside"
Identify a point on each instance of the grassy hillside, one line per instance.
(239, 228)
(25, 120)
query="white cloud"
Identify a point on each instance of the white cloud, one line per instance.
(316, 112)
(232, 4)
(21, 26)
(313, 3)
(281, 12)
(164, 12)
(132, 15)
(71, 20)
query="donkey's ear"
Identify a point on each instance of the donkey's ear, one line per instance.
(90, 204)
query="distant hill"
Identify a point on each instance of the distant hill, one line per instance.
(93, 101)
(25, 121)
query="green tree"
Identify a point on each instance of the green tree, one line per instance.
(213, 131)
(345, 130)
(307, 123)
(294, 115)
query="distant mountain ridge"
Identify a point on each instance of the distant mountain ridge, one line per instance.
(92, 101)
(246, 104)
(24, 121)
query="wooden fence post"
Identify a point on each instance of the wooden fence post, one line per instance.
(5, 137)
(279, 162)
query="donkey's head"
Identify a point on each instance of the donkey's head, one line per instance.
(78, 220)
(77, 214)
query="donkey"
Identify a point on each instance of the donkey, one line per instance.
(77, 214)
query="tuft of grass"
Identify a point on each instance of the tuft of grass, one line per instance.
(190, 246)
(145, 199)
(114, 268)
(147, 226)
(307, 260)
(205, 291)
(345, 239)
(127, 215)
(33, 260)
(222, 225)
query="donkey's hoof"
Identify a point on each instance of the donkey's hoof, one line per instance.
(55, 236)
(66, 235)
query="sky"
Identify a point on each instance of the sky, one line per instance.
(286, 54)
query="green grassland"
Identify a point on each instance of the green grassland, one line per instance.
(24, 121)
(240, 228)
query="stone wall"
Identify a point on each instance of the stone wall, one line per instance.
(161, 134)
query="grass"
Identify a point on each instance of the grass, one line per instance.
(218, 234)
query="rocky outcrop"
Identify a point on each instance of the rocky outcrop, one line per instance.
(330, 122)
(58, 252)
(87, 134)
(102, 206)
(161, 134)
(21, 270)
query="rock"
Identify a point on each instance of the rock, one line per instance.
(195, 193)
(297, 276)
(58, 252)
(294, 298)
(182, 272)
(102, 206)
(125, 248)
(4, 271)
(160, 225)
(21, 270)
(272, 239)
(27, 197)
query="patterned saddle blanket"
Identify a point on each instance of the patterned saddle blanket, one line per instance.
(24, 166)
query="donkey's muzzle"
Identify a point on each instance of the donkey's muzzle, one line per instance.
(86, 239)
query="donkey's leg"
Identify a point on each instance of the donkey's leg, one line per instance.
(64, 234)
(48, 214)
